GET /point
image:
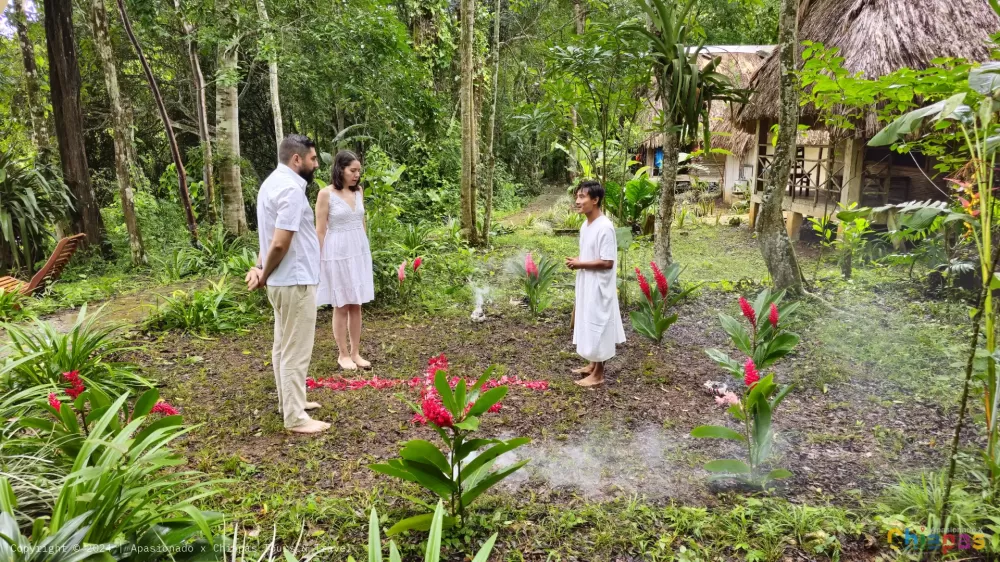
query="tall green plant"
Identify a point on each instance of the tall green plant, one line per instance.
(463, 470)
(763, 341)
(972, 117)
(536, 279)
(29, 204)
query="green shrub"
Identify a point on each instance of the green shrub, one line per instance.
(216, 309)
(12, 305)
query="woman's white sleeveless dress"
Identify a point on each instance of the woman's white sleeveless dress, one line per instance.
(345, 274)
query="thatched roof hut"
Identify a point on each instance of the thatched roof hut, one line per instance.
(738, 62)
(878, 37)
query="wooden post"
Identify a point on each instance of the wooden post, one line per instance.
(793, 225)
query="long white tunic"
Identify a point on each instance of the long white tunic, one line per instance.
(598, 325)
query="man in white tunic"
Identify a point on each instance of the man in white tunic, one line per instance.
(288, 266)
(598, 324)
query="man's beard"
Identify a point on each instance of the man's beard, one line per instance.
(308, 176)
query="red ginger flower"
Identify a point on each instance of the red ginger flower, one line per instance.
(417, 262)
(661, 280)
(773, 318)
(643, 285)
(54, 402)
(73, 377)
(165, 409)
(435, 412)
(748, 311)
(401, 271)
(529, 266)
(750, 376)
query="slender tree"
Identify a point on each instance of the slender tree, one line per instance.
(468, 104)
(772, 237)
(201, 106)
(36, 108)
(491, 159)
(272, 71)
(64, 87)
(227, 123)
(121, 124)
(175, 152)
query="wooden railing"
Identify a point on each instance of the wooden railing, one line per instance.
(816, 179)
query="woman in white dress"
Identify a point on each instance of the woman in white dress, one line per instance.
(345, 274)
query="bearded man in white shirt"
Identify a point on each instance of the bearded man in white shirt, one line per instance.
(288, 266)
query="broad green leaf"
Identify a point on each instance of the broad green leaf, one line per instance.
(430, 477)
(492, 453)
(778, 473)
(374, 539)
(487, 400)
(985, 79)
(911, 121)
(717, 432)
(447, 397)
(484, 553)
(729, 466)
(490, 481)
(433, 552)
(426, 452)
(470, 423)
(737, 332)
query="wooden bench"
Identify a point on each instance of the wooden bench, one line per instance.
(49, 272)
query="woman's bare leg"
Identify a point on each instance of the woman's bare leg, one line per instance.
(355, 330)
(341, 315)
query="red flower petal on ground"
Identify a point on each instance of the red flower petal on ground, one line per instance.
(748, 312)
(165, 409)
(750, 376)
(54, 402)
(495, 408)
(661, 280)
(773, 318)
(643, 285)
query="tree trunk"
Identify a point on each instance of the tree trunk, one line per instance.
(662, 253)
(772, 236)
(272, 71)
(227, 129)
(491, 162)
(175, 152)
(201, 105)
(39, 131)
(469, 141)
(580, 16)
(64, 86)
(120, 127)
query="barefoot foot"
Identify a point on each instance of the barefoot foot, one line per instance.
(311, 406)
(584, 370)
(361, 362)
(311, 426)
(590, 381)
(347, 364)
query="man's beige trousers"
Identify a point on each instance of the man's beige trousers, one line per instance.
(294, 333)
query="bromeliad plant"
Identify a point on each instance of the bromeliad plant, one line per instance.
(763, 340)
(462, 470)
(537, 279)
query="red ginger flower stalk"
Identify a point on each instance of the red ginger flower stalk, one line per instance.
(748, 312)
(529, 266)
(54, 402)
(750, 376)
(73, 377)
(417, 262)
(435, 412)
(773, 318)
(643, 285)
(401, 271)
(661, 280)
(165, 409)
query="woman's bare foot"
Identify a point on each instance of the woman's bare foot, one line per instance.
(592, 380)
(311, 426)
(361, 362)
(584, 370)
(347, 364)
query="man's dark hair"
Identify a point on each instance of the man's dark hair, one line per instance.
(341, 162)
(594, 189)
(292, 145)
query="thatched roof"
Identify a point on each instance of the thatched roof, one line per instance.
(738, 62)
(878, 37)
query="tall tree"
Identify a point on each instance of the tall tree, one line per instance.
(227, 122)
(201, 107)
(470, 145)
(772, 237)
(491, 159)
(64, 86)
(175, 152)
(120, 124)
(272, 71)
(36, 107)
